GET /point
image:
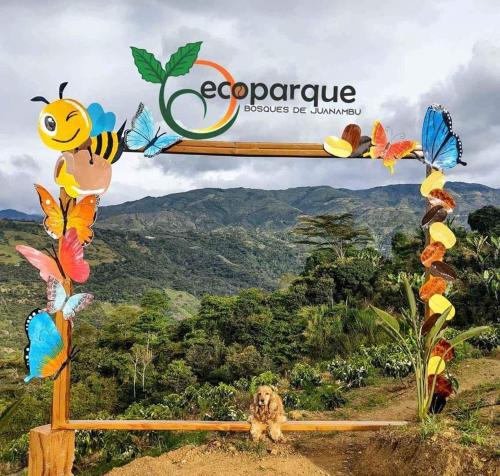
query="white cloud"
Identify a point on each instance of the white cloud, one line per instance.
(400, 56)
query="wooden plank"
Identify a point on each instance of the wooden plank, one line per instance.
(51, 452)
(60, 396)
(238, 426)
(255, 149)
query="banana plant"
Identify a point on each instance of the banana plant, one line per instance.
(407, 331)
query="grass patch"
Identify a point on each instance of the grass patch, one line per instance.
(472, 431)
(430, 426)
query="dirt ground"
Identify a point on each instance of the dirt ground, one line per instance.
(394, 452)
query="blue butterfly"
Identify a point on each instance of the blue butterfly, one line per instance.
(58, 300)
(44, 355)
(442, 147)
(101, 121)
(143, 137)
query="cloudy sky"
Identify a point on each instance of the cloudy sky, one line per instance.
(400, 57)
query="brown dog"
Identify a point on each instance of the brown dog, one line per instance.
(266, 413)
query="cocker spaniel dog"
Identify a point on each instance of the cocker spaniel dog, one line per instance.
(267, 413)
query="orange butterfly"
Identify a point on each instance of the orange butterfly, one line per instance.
(57, 220)
(68, 264)
(383, 149)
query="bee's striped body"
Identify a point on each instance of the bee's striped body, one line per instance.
(108, 145)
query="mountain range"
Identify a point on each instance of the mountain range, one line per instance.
(383, 210)
(222, 240)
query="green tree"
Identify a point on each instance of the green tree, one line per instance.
(246, 361)
(337, 233)
(178, 376)
(155, 300)
(321, 330)
(486, 220)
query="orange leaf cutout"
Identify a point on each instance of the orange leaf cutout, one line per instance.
(434, 285)
(433, 252)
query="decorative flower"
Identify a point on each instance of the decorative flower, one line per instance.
(442, 386)
(444, 350)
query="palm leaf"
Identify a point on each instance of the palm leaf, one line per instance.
(463, 336)
(386, 319)
(8, 412)
(410, 297)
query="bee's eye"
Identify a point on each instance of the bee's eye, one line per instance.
(48, 124)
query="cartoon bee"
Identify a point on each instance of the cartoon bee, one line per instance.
(66, 125)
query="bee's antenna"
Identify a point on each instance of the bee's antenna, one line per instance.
(40, 99)
(61, 89)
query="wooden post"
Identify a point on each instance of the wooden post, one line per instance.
(60, 396)
(51, 452)
(427, 313)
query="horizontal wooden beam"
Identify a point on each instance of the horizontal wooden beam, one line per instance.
(239, 426)
(256, 149)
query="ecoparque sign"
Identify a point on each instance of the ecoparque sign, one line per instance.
(319, 99)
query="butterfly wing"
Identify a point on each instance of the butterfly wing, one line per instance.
(44, 354)
(101, 121)
(45, 264)
(142, 131)
(397, 150)
(442, 147)
(76, 303)
(56, 295)
(71, 257)
(161, 142)
(54, 219)
(82, 216)
(379, 141)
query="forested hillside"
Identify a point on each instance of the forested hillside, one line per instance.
(384, 210)
(261, 308)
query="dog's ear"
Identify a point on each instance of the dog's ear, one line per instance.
(274, 405)
(256, 397)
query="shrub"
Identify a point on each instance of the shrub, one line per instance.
(242, 384)
(353, 372)
(389, 358)
(397, 365)
(291, 400)
(140, 411)
(17, 450)
(325, 397)
(487, 341)
(219, 402)
(265, 378)
(245, 361)
(303, 376)
(331, 397)
(178, 376)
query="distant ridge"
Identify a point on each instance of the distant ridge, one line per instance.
(10, 214)
(219, 241)
(384, 209)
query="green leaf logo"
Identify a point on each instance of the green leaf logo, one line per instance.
(148, 66)
(183, 59)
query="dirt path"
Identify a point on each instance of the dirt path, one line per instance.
(336, 454)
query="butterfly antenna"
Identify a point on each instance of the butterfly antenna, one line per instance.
(74, 352)
(56, 259)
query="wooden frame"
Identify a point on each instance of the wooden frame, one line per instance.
(306, 150)
(237, 426)
(61, 395)
(57, 440)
